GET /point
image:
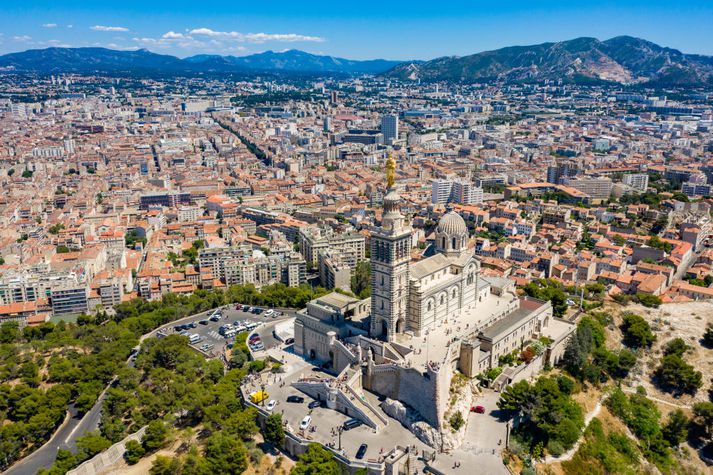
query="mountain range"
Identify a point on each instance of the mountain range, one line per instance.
(103, 60)
(624, 60)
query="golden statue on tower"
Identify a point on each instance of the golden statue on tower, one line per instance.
(390, 172)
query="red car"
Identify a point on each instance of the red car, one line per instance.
(478, 409)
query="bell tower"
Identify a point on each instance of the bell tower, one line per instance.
(390, 259)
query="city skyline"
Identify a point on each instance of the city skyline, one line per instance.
(399, 30)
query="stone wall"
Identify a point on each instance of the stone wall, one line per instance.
(102, 462)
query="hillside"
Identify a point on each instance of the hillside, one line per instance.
(89, 60)
(623, 59)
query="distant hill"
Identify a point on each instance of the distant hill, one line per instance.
(295, 60)
(138, 61)
(623, 59)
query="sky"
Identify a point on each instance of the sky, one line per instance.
(355, 29)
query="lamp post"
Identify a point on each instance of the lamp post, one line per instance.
(262, 394)
(507, 433)
(340, 429)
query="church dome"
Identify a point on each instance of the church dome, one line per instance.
(452, 224)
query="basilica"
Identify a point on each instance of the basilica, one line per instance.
(413, 297)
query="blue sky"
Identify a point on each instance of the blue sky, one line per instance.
(393, 29)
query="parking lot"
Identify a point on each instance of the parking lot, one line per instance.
(209, 339)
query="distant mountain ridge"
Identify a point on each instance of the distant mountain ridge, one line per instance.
(623, 59)
(56, 60)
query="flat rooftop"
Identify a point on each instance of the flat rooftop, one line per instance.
(436, 341)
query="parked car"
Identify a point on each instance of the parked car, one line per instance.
(271, 405)
(289, 341)
(478, 409)
(203, 322)
(192, 325)
(297, 399)
(246, 308)
(269, 312)
(362, 451)
(305, 423)
(314, 404)
(351, 424)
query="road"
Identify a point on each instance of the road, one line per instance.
(64, 438)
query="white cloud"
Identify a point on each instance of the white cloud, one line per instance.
(108, 28)
(255, 37)
(22, 38)
(289, 37)
(49, 25)
(172, 35)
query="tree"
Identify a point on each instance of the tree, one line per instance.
(316, 461)
(514, 396)
(274, 433)
(62, 249)
(91, 444)
(677, 346)
(27, 174)
(457, 420)
(637, 332)
(677, 376)
(703, 417)
(225, 454)
(165, 466)
(648, 300)
(154, 436)
(9, 332)
(361, 280)
(134, 452)
(708, 336)
(675, 430)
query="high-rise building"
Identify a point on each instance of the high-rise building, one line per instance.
(466, 193)
(455, 191)
(390, 128)
(441, 191)
(556, 172)
(638, 181)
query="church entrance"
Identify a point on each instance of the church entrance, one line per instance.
(400, 325)
(384, 328)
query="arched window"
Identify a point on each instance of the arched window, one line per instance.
(453, 294)
(442, 300)
(453, 243)
(382, 280)
(428, 307)
(443, 242)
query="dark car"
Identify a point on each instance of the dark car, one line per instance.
(289, 341)
(295, 399)
(351, 424)
(192, 325)
(203, 322)
(314, 404)
(362, 451)
(246, 308)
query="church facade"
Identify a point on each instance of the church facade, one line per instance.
(410, 297)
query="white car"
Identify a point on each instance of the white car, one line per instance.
(271, 405)
(304, 425)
